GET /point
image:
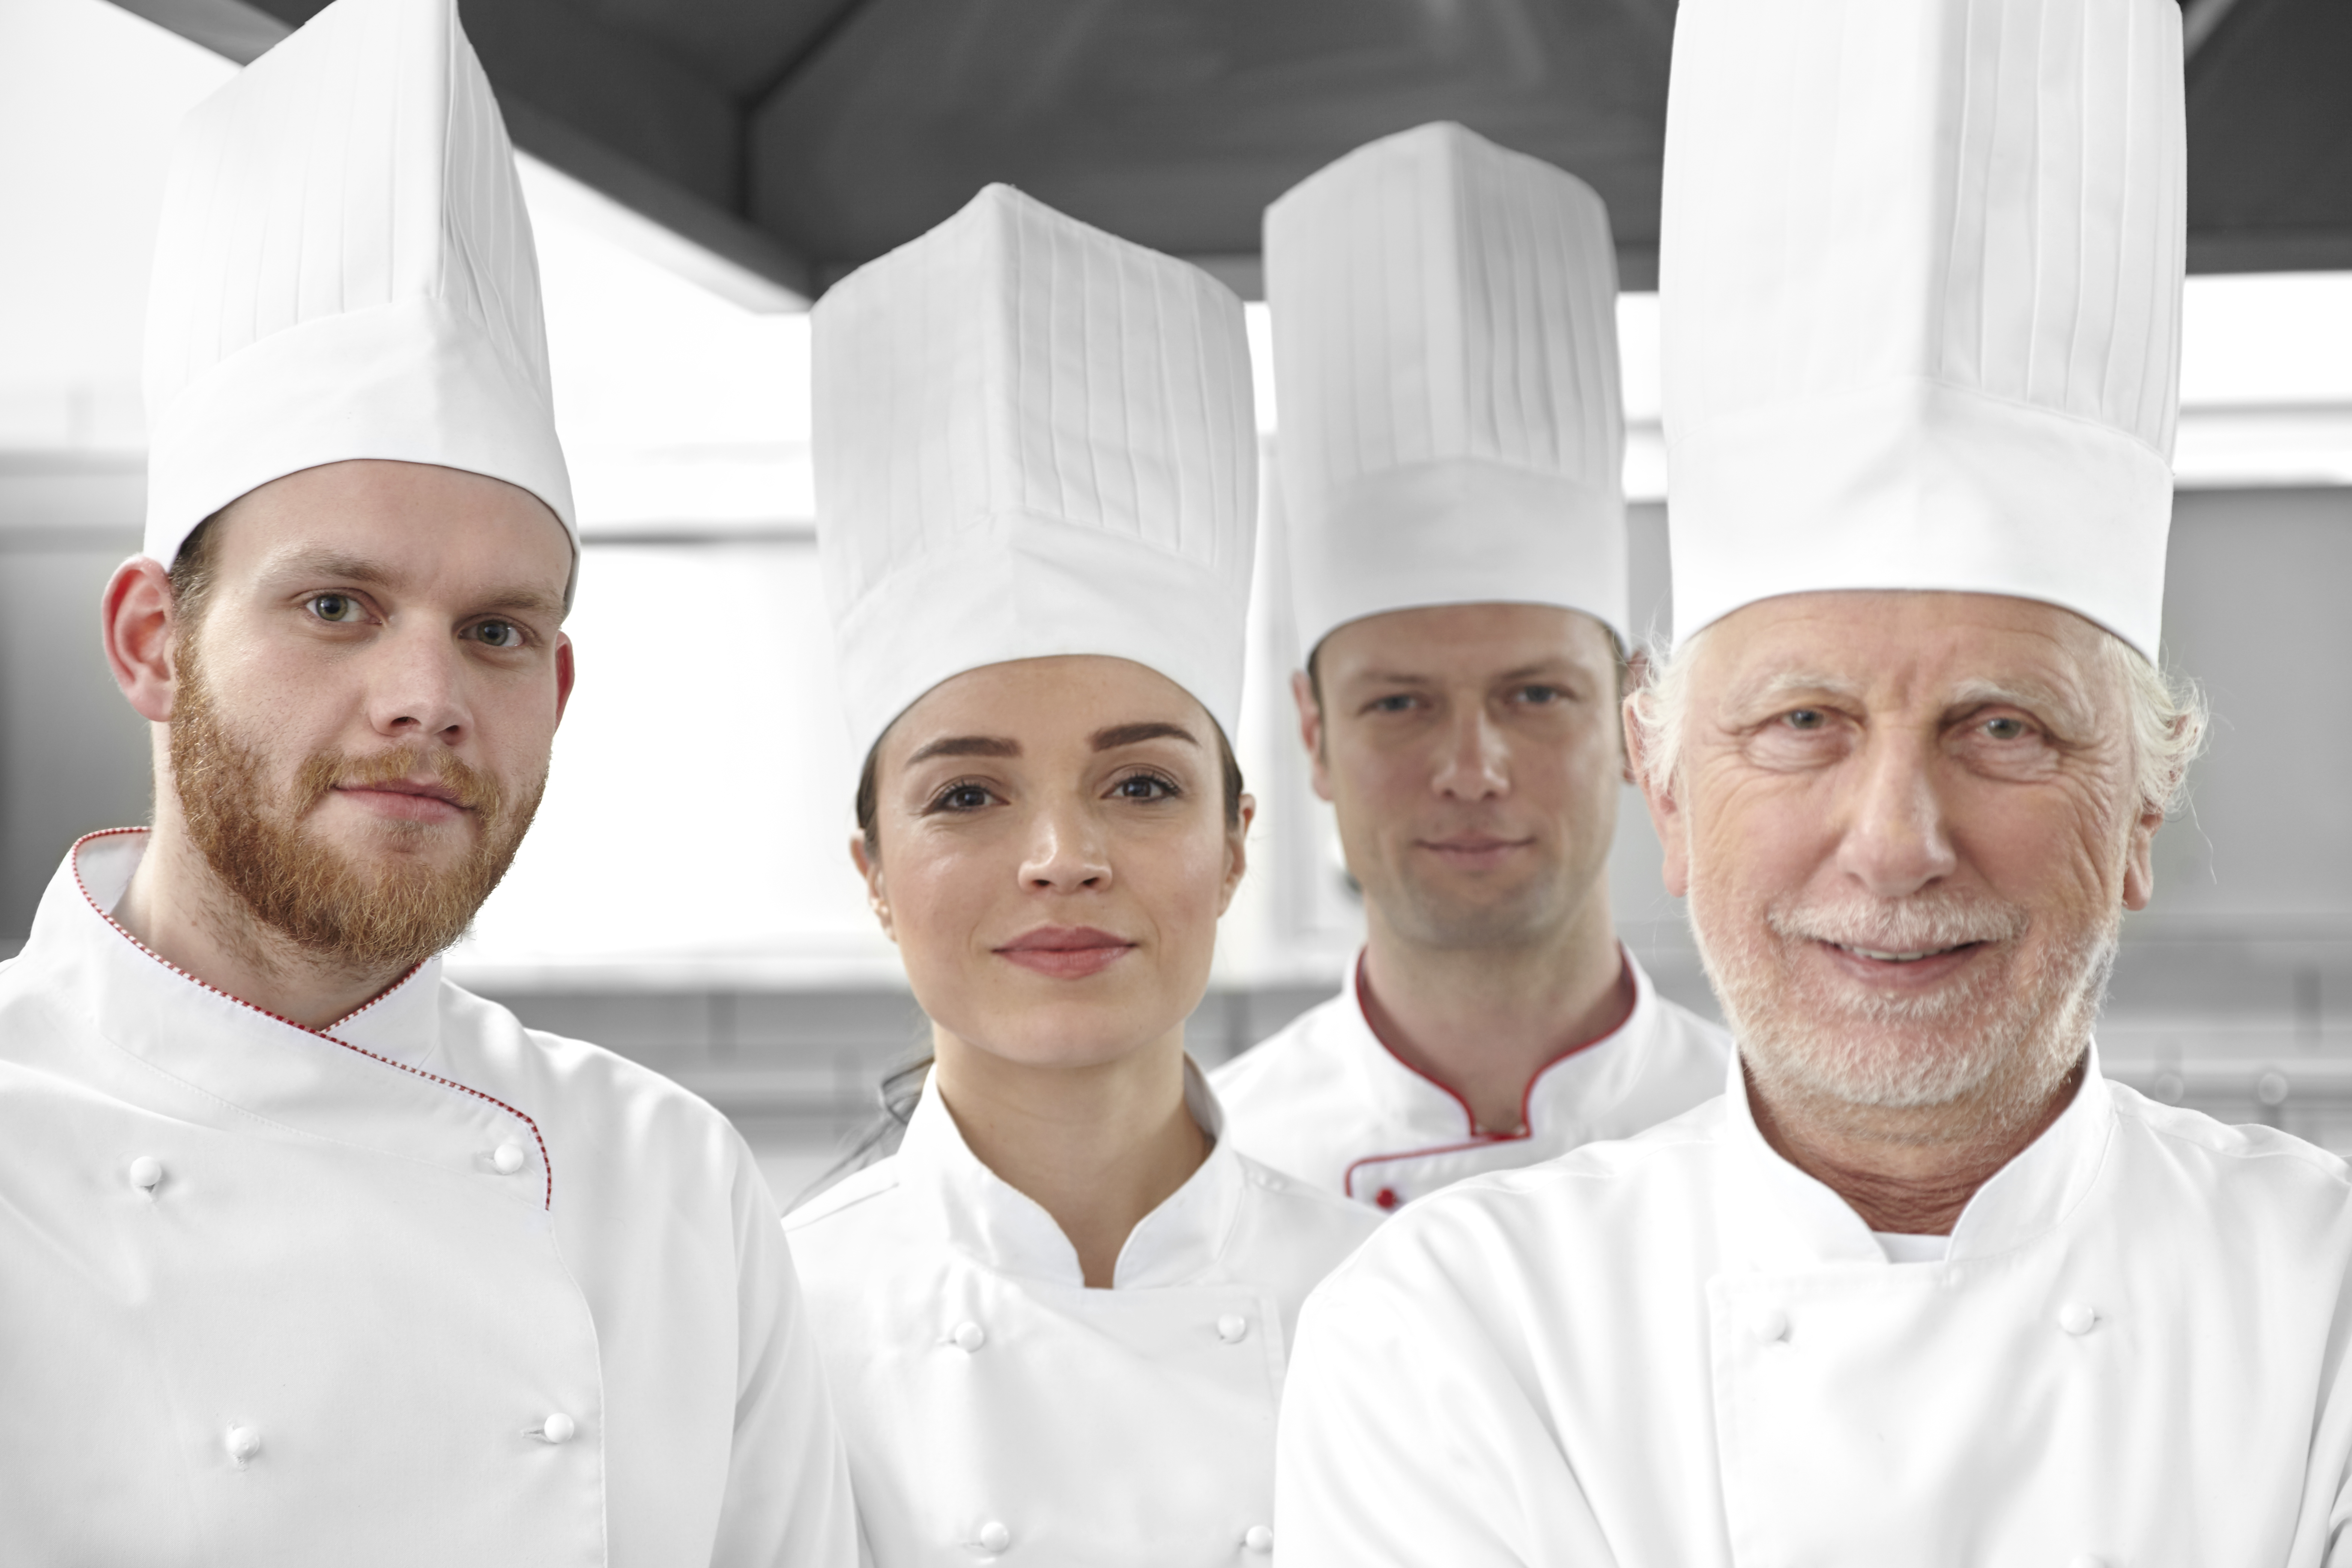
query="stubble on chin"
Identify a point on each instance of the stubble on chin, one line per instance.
(1994, 1043)
(386, 914)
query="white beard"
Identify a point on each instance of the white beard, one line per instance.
(2026, 1017)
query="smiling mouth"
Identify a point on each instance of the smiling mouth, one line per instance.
(1066, 954)
(1881, 956)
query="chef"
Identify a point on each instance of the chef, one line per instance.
(1445, 352)
(1922, 1286)
(1056, 1319)
(312, 1256)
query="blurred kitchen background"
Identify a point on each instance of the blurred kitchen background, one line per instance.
(698, 170)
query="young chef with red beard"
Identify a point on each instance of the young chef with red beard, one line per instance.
(1057, 1319)
(1445, 350)
(310, 1254)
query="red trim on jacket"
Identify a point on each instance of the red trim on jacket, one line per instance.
(1476, 1140)
(73, 858)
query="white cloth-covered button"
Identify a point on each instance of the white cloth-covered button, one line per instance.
(2078, 1317)
(968, 1337)
(1233, 1328)
(242, 1442)
(1769, 1326)
(994, 1536)
(559, 1429)
(1258, 1538)
(506, 1157)
(146, 1171)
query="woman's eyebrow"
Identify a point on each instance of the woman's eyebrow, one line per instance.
(966, 746)
(1120, 735)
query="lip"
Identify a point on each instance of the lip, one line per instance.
(1474, 850)
(406, 800)
(1065, 953)
(1904, 973)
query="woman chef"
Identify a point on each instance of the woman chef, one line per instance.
(1056, 1319)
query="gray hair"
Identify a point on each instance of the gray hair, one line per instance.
(2169, 720)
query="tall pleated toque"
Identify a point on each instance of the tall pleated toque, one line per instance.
(1032, 439)
(1445, 353)
(1920, 271)
(345, 269)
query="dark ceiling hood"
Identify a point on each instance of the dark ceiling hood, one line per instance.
(801, 138)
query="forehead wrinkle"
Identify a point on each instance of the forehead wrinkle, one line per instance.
(1764, 688)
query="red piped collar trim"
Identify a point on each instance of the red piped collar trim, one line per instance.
(73, 858)
(1478, 1139)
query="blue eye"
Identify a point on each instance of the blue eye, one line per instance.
(1542, 695)
(338, 609)
(1806, 718)
(500, 634)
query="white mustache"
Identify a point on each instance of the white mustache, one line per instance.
(1929, 923)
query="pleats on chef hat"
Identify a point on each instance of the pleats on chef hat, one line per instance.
(1032, 439)
(1445, 357)
(344, 270)
(1920, 274)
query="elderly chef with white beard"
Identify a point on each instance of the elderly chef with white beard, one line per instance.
(1923, 1287)
(1057, 1319)
(310, 1254)
(1445, 351)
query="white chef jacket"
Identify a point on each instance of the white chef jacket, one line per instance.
(275, 1296)
(998, 1410)
(1326, 1101)
(1680, 1350)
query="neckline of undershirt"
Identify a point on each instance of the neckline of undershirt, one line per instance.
(1901, 1249)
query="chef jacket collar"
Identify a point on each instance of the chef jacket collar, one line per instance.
(1576, 1089)
(372, 1079)
(1775, 1216)
(1002, 1228)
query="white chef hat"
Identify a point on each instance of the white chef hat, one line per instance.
(1920, 274)
(1444, 316)
(344, 270)
(1032, 439)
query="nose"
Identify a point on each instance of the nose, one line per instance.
(1066, 851)
(1896, 840)
(1476, 762)
(416, 689)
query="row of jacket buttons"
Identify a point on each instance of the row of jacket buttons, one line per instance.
(996, 1538)
(968, 1337)
(146, 1171)
(1770, 1324)
(244, 1443)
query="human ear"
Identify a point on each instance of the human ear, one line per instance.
(1636, 675)
(2139, 860)
(1237, 852)
(1665, 811)
(870, 868)
(1310, 731)
(566, 672)
(136, 622)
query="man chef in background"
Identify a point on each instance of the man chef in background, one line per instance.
(310, 1254)
(1923, 1287)
(1445, 361)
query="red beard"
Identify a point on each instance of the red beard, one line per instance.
(391, 911)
